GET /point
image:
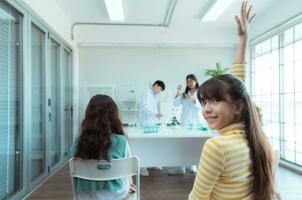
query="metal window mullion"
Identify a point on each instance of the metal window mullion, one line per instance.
(294, 67)
(47, 86)
(8, 99)
(281, 97)
(271, 92)
(61, 103)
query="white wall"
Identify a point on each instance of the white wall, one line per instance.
(160, 35)
(275, 15)
(54, 16)
(141, 65)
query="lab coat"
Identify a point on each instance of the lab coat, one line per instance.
(147, 107)
(191, 112)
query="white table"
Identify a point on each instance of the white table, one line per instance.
(168, 147)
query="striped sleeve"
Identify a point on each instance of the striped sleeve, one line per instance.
(210, 167)
(238, 69)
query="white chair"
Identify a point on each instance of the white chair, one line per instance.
(276, 158)
(115, 169)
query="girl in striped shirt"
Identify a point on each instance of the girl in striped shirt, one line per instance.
(238, 163)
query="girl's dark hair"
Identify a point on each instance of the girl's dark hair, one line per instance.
(192, 77)
(100, 121)
(218, 88)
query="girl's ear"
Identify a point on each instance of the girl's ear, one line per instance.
(239, 107)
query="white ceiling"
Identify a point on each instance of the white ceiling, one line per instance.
(147, 11)
(186, 17)
(136, 11)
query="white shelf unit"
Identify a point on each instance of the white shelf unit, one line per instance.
(129, 112)
(91, 90)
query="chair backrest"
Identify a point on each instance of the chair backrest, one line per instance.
(101, 170)
(276, 159)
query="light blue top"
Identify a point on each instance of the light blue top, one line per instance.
(191, 112)
(117, 150)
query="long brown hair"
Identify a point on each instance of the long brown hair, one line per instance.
(218, 88)
(100, 121)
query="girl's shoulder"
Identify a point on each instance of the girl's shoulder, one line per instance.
(118, 146)
(118, 137)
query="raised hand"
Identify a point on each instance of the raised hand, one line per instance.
(179, 90)
(242, 26)
(245, 19)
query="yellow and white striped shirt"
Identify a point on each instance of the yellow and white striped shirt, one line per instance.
(239, 70)
(224, 170)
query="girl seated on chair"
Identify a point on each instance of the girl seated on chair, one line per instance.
(102, 138)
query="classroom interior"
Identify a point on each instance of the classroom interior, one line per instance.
(55, 55)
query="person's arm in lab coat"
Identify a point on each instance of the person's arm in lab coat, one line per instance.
(146, 105)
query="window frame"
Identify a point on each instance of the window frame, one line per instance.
(279, 31)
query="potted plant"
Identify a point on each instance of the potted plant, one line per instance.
(217, 71)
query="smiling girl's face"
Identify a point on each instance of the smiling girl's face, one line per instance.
(220, 113)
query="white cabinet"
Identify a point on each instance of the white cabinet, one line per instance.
(129, 112)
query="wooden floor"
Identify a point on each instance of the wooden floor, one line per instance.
(58, 187)
(160, 186)
(157, 186)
